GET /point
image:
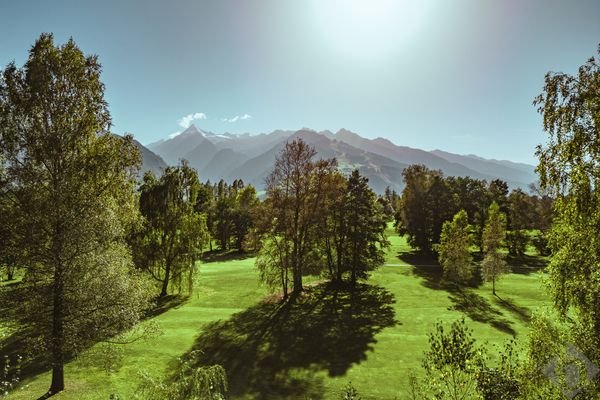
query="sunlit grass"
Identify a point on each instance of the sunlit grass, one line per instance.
(228, 287)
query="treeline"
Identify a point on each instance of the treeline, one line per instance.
(429, 199)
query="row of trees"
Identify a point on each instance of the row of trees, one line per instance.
(560, 359)
(316, 221)
(429, 199)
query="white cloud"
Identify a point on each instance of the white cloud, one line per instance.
(172, 135)
(237, 118)
(186, 121)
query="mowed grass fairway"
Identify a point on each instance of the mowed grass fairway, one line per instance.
(313, 348)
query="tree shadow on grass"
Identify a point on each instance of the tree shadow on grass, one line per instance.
(527, 264)
(479, 309)
(229, 255)
(464, 299)
(520, 312)
(428, 268)
(278, 350)
(166, 303)
(21, 341)
(24, 340)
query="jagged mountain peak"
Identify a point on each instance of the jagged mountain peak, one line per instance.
(251, 156)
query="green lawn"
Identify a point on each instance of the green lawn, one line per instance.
(313, 348)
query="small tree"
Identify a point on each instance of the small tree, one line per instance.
(173, 233)
(451, 364)
(199, 383)
(494, 263)
(349, 392)
(453, 250)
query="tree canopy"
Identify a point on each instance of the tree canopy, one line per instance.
(72, 182)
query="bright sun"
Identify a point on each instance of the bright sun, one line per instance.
(368, 28)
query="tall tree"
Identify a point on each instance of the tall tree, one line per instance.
(333, 225)
(246, 202)
(494, 264)
(295, 196)
(425, 204)
(519, 214)
(453, 250)
(366, 225)
(569, 167)
(73, 184)
(173, 233)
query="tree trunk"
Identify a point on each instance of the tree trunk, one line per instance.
(297, 281)
(58, 339)
(494, 285)
(165, 283)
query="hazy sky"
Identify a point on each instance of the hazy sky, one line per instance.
(458, 75)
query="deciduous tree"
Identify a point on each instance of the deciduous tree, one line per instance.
(73, 184)
(494, 263)
(569, 167)
(173, 233)
(453, 249)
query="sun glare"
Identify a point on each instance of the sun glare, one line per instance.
(367, 29)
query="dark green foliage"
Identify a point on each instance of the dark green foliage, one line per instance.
(10, 375)
(503, 381)
(453, 250)
(516, 242)
(429, 200)
(173, 233)
(540, 242)
(425, 204)
(365, 225)
(71, 183)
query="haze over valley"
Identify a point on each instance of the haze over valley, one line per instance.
(250, 157)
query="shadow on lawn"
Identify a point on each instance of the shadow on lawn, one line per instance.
(527, 264)
(22, 340)
(25, 339)
(479, 309)
(428, 268)
(464, 299)
(229, 255)
(277, 350)
(520, 312)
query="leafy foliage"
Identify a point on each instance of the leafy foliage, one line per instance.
(203, 383)
(452, 362)
(569, 167)
(72, 184)
(494, 264)
(453, 250)
(173, 234)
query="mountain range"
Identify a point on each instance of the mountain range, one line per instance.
(251, 157)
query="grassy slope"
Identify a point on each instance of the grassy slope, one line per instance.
(229, 287)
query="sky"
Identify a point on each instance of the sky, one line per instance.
(454, 75)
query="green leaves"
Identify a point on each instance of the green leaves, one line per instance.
(453, 250)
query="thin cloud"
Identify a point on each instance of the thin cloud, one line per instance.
(237, 118)
(186, 121)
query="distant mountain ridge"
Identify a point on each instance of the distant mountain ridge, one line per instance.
(251, 157)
